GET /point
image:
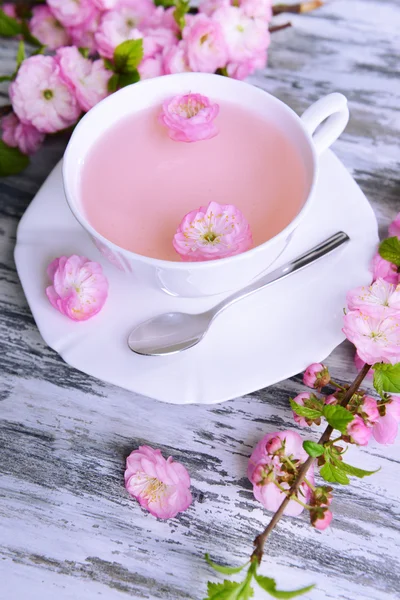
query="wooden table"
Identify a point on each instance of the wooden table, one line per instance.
(68, 529)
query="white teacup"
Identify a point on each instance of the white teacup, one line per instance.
(329, 115)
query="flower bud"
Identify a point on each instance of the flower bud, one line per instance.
(316, 376)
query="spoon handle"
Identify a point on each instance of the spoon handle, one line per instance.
(296, 264)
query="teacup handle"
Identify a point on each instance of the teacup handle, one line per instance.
(331, 115)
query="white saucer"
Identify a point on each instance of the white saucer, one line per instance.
(257, 342)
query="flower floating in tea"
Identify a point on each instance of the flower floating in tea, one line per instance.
(189, 118)
(212, 232)
(79, 288)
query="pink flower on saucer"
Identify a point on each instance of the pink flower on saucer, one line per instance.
(161, 486)
(376, 339)
(380, 299)
(189, 118)
(79, 288)
(212, 232)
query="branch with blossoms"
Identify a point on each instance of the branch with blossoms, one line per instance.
(290, 475)
(83, 50)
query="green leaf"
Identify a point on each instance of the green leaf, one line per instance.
(269, 585)
(128, 78)
(228, 590)
(387, 378)
(12, 161)
(21, 54)
(350, 470)
(333, 474)
(108, 64)
(9, 27)
(6, 78)
(389, 249)
(128, 55)
(182, 7)
(112, 85)
(224, 570)
(303, 411)
(164, 3)
(39, 50)
(313, 449)
(84, 52)
(337, 416)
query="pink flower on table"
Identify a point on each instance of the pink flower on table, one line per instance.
(205, 43)
(316, 376)
(71, 12)
(151, 67)
(394, 227)
(79, 289)
(117, 26)
(175, 59)
(242, 69)
(386, 429)
(87, 79)
(245, 37)
(271, 468)
(376, 340)
(189, 118)
(321, 518)
(41, 98)
(82, 35)
(45, 27)
(368, 409)
(377, 300)
(257, 9)
(212, 232)
(160, 486)
(358, 432)
(384, 269)
(18, 135)
(359, 363)
(9, 9)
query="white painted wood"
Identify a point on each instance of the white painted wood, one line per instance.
(68, 529)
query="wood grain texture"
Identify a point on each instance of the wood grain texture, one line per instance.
(68, 529)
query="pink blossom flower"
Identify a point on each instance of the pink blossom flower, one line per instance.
(121, 24)
(394, 227)
(358, 431)
(79, 288)
(45, 27)
(245, 37)
(160, 486)
(175, 59)
(189, 118)
(378, 300)
(271, 465)
(215, 231)
(205, 43)
(151, 67)
(105, 4)
(9, 9)
(321, 518)
(316, 376)
(384, 269)
(257, 9)
(299, 399)
(18, 135)
(71, 12)
(87, 79)
(386, 429)
(331, 399)
(41, 98)
(208, 7)
(376, 340)
(156, 39)
(162, 17)
(368, 410)
(242, 69)
(359, 365)
(83, 35)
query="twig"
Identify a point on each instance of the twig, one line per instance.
(300, 7)
(260, 540)
(274, 28)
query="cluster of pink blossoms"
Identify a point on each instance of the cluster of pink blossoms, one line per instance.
(51, 92)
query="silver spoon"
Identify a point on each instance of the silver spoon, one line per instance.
(173, 332)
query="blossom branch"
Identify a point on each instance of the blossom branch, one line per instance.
(299, 8)
(260, 540)
(274, 28)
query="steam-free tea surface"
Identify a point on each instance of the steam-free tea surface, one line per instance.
(137, 184)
